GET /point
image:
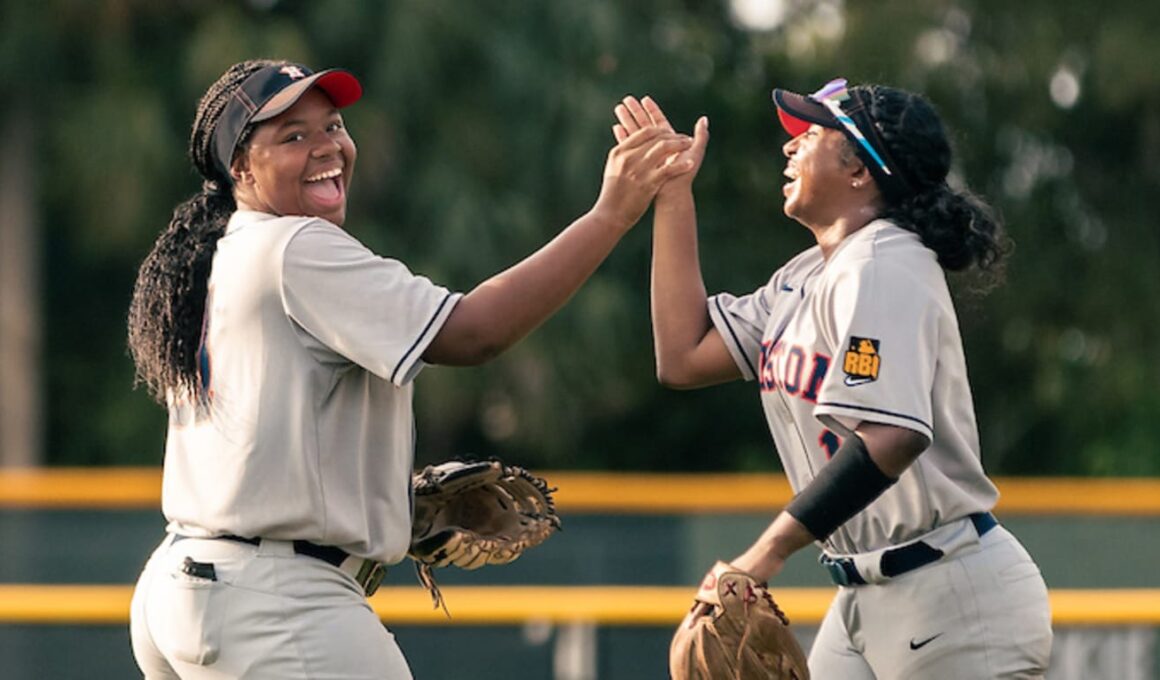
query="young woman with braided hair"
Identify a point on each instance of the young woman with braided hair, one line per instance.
(855, 347)
(166, 314)
(285, 352)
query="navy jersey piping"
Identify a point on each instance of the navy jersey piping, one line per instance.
(878, 410)
(407, 354)
(736, 341)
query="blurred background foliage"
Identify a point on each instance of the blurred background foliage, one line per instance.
(483, 132)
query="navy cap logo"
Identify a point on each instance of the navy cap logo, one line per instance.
(292, 72)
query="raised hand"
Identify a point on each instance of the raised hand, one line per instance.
(633, 114)
(637, 167)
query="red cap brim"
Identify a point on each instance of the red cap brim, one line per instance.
(794, 126)
(796, 112)
(340, 86)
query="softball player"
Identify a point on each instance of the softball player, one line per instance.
(855, 348)
(285, 352)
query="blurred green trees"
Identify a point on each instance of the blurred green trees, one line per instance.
(484, 131)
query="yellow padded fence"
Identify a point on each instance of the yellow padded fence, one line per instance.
(583, 492)
(516, 605)
(579, 492)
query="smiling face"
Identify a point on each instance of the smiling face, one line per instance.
(823, 173)
(298, 163)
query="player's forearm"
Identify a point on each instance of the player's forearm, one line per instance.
(505, 308)
(680, 316)
(765, 558)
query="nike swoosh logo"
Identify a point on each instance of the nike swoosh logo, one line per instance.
(786, 288)
(920, 645)
(854, 382)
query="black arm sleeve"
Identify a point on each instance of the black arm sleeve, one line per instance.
(845, 485)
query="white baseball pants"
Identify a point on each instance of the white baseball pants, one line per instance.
(982, 614)
(258, 612)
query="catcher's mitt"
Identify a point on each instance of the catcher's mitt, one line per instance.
(472, 513)
(735, 631)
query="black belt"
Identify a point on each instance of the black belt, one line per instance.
(898, 561)
(369, 575)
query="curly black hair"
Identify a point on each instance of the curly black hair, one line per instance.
(960, 227)
(168, 306)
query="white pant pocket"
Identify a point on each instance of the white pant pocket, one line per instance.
(186, 621)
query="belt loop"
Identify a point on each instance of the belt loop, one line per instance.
(269, 546)
(984, 522)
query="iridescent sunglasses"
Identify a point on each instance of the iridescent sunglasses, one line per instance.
(825, 107)
(831, 96)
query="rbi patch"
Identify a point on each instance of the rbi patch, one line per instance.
(862, 361)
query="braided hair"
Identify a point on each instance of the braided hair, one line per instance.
(168, 306)
(961, 228)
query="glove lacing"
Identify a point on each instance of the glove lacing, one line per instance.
(427, 579)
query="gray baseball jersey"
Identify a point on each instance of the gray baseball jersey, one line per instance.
(310, 345)
(870, 335)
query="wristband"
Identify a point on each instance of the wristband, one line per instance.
(843, 487)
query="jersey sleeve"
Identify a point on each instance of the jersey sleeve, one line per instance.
(741, 322)
(882, 327)
(373, 311)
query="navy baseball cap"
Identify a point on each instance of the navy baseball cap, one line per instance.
(837, 107)
(267, 93)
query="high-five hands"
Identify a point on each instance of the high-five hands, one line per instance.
(634, 115)
(637, 167)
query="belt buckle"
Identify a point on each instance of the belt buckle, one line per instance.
(838, 573)
(370, 575)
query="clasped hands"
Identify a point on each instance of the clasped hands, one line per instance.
(634, 115)
(649, 157)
